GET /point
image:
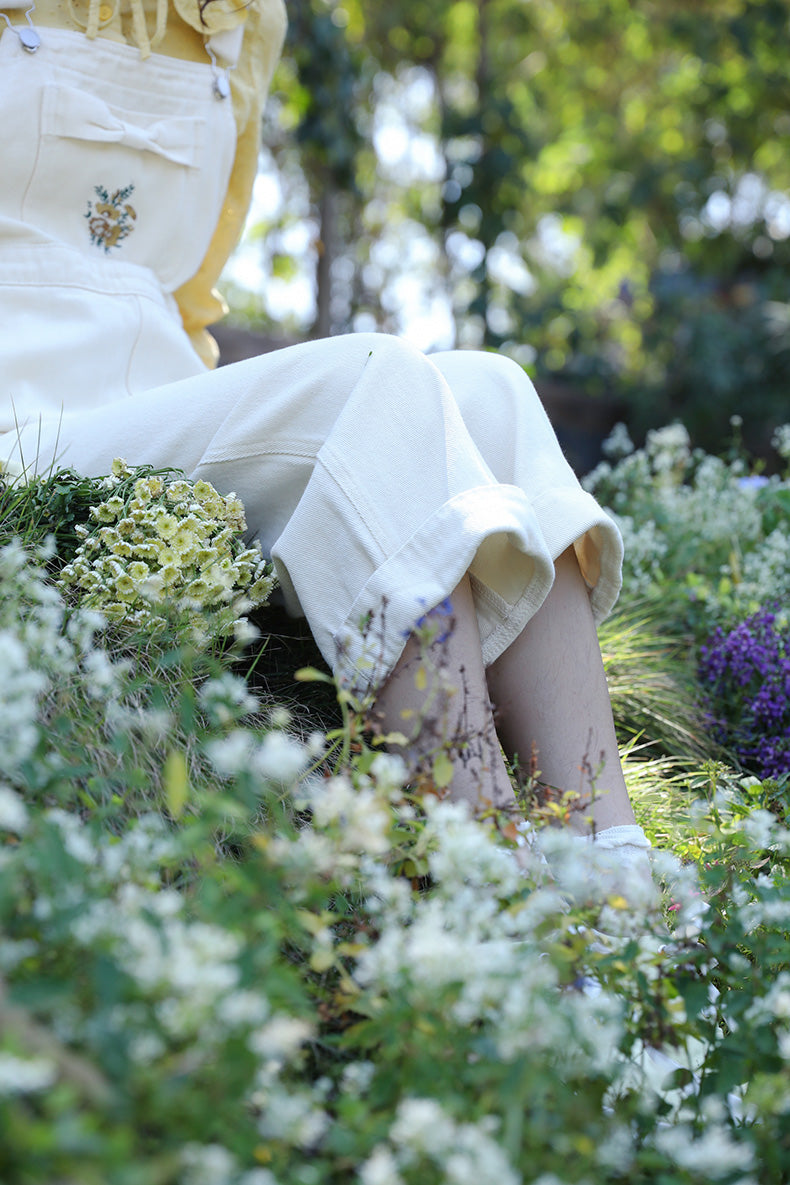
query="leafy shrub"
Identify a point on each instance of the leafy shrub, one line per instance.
(706, 541)
(231, 956)
(373, 988)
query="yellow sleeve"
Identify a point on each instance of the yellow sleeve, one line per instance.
(198, 301)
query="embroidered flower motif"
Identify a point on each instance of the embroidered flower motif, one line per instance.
(111, 218)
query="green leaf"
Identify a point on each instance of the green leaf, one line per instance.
(176, 782)
(442, 771)
(312, 675)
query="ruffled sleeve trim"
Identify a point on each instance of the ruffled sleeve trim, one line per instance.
(207, 17)
(212, 16)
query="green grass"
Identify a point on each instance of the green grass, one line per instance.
(651, 684)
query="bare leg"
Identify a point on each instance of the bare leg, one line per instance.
(437, 697)
(550, 691)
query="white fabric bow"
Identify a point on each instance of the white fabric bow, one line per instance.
(73, 114)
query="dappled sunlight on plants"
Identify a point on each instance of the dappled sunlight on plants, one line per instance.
(708, 565)
(236, 953)
(710, 535)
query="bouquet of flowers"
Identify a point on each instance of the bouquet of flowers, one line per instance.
(161, 540)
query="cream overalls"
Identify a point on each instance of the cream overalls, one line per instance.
(374, 476)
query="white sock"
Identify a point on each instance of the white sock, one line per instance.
(621, 855)
(615, 863)
(627, 835)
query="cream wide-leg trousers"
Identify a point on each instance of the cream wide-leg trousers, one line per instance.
(375, 477)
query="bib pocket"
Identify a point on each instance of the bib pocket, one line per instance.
(143, 186)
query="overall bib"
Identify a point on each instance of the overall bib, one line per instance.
(374, 476)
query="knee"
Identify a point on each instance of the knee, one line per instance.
(387, 347)
(504, 379)
(493, 382)
(405, 375)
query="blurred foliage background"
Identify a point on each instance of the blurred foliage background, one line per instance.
(600, 188)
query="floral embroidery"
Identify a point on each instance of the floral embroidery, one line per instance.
(110, 219)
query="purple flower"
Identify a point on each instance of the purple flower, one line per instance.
(441, 613)
(745, 673)
(754, 481)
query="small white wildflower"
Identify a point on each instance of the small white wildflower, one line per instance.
(774, 914)
(357, 1077)
(466, 1152)
(601, 472)
(380, 1168)
(102, 675)
(232, 754)
(20, 691)
(227, 698)
(242, 1008)
(618, 443)
(761, 827)
(389, 770)
(244, 634)
(668, 447)
(766, 568)
(146, 1047)
(143, 848)
(464, 851)
(82, 627)
(75, 838)
(478, 1161)
(423, 1125)
(616, 1151)
(774, 1004)
(280, 758)
(294, 1117)
(714, 1152)
(781, 441)
(780, 1003)
(13, 812)
(281, 1038)
(713, 1109)
(364, 820)
(783, 1044)
(207, 1164)
(279, 717)
(153, 724)
(258, 1177)
(645, 547)
(315, 744)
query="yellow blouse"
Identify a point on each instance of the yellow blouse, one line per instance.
(177, 29)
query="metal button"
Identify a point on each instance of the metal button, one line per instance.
(106, 12)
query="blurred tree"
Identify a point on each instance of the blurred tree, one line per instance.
(325, 73)
(603, 190)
